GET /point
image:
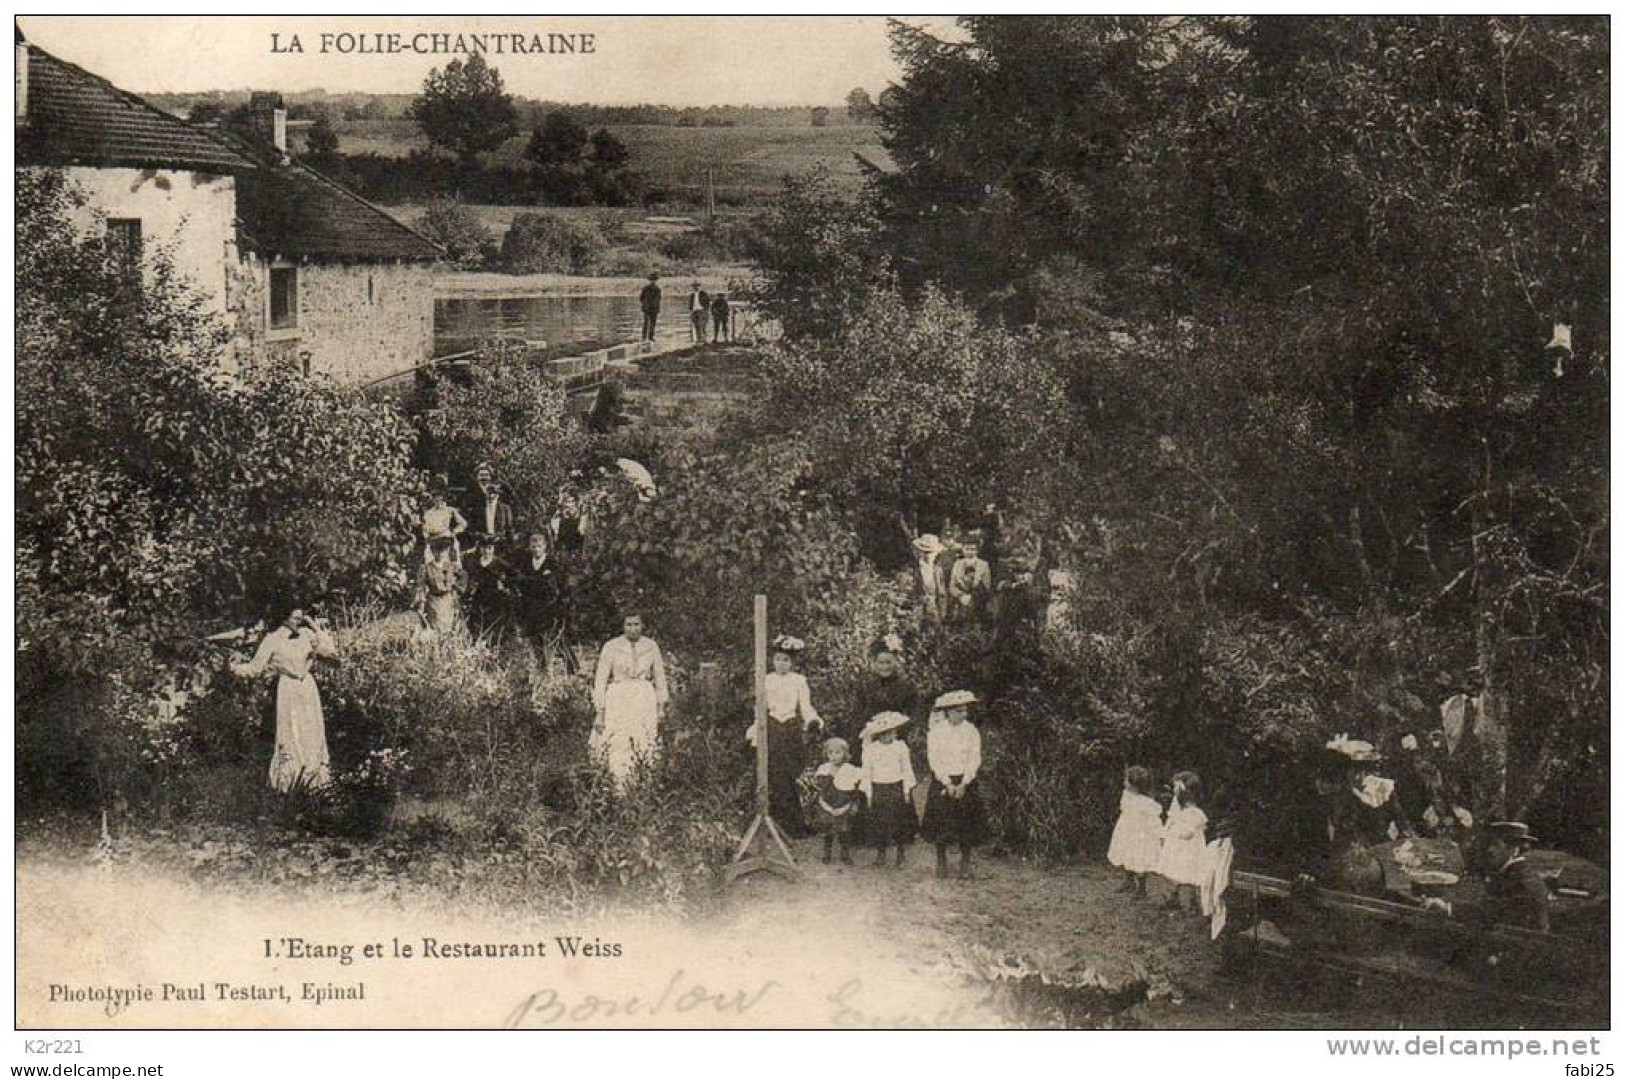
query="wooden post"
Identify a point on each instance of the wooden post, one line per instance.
(761, 705)
(763, 848)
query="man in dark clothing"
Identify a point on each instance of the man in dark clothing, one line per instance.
(490, 511)
(649, 301)
(699, 311)
(1514, 893)
(539, 592)
(720, 329)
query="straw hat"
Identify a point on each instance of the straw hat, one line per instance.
(929, 544)
(788, 644)
(880, 724)
(1355, 750)
(1512, 831)
(958, 698)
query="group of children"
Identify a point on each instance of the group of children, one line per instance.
(1171, 844)
(869, 796)
(874, 802)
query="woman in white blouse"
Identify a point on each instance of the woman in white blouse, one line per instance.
(954, 815)
(790, 713)
(629, 700)
(300, 756)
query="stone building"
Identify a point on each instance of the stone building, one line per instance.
(303, 271)
(328, 281)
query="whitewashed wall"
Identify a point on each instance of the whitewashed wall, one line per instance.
(188, 214)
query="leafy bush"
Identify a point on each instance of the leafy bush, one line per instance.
(724, 526)
(954, 414)
(542, 243)
(501, 744)
(473, 714)
(506, 411)
(724, 241)
(458, 229)
(158, 499)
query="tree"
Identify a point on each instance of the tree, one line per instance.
(506, 411)
(546, 243)
(817, 258)
(555, 152)
(463, 108)
(723, 527)
(860, 107)
(460, 230)
(558, 141)
(954, 414)
(608, 152)
(322, 142)
(999, 169)
(1298, 277)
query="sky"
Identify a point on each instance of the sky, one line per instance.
(689, 60)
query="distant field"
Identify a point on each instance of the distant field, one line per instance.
(748, 162)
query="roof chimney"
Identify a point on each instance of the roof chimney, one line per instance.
(22, 76)
(268, 119)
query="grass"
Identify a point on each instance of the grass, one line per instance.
(635, 244)
(747, 162)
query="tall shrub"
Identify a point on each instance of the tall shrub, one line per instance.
(159, 499)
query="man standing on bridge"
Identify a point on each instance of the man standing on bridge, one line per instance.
(649, 300)
(699, 311)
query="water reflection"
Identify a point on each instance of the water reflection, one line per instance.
(559, 320)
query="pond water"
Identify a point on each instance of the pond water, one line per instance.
(462, 323)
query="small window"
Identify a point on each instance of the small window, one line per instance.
(124, 241)
(284, 298)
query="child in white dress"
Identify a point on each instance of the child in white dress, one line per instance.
(1184, 841)
(1136, 844)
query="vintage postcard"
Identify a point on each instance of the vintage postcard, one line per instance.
(823, 522)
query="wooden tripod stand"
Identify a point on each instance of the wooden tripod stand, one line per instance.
(763, 848)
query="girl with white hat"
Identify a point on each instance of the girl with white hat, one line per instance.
(953, 807)
(888, 779)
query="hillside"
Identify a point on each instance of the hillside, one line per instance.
(748, 161)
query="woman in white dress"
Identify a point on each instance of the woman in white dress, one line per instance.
(301, 754)
(629, 698)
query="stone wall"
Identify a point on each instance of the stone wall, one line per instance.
(188, 215)
(357, 322)
(686, 405)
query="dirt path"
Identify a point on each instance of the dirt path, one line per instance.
(858, 946)
(1022, 944)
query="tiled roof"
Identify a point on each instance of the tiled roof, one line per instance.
(287, 210)
(283, 209)
(76, 118)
